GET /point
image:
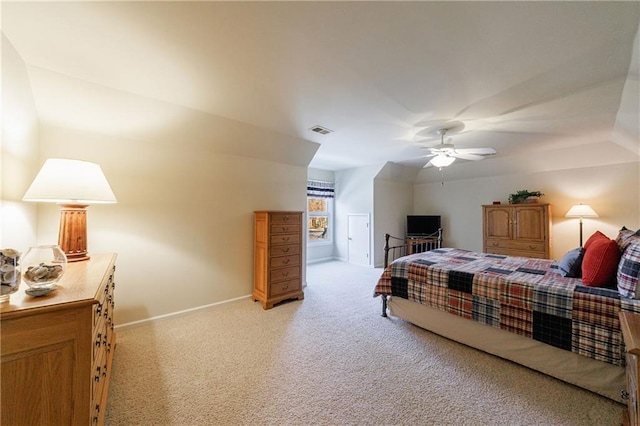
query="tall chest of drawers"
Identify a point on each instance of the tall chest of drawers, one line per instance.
(57, 350)
(277, 257)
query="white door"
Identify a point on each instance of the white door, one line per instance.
(359, 236)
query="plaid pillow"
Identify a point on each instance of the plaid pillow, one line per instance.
(625, 237)
(629, 271)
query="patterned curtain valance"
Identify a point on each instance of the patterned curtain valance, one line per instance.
(316, 188)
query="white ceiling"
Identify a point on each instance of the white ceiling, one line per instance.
(521, 76)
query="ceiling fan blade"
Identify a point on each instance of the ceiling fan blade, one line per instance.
(472, 157)
(478, 151)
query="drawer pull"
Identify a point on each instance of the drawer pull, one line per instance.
(286, 218)
(97, 411)
(624, 394)
(285, 228)
(285, 273)
(286, 249)
(285, 238)
(286, 262)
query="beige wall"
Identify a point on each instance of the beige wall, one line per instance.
(392, 186)
(183, 224)
(19, 153)
(612, 190)
(187, 184)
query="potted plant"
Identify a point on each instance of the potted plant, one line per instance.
(525, 196)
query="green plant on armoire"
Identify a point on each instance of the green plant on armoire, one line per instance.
(525, 196)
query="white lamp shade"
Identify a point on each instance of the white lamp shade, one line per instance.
(581, 210)
(442, 160)
(70, 181)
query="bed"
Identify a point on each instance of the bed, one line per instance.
(521, 309)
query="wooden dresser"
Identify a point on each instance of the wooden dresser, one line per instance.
(630, 326)
(517, 230)
(57, 349)
(277, 257)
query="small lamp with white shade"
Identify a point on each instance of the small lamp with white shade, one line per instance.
(74, 185)
(581, 210)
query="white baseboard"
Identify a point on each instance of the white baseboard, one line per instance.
(174, 314)
(323, 259)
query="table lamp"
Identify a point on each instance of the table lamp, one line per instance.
(581, 210)
(73, 184)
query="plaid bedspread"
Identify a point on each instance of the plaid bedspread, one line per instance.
(522, 295)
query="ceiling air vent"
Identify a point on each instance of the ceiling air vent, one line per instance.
(321, 130)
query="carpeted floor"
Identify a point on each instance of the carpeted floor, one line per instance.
(329, 359)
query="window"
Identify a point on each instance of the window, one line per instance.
(319, 219)
(319, 211)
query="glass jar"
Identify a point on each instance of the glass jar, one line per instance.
(9, 273)
(43, 266)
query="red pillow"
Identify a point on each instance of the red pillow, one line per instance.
(595, 237)
(600, 262)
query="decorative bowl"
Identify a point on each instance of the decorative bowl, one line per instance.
(43, 266)
(9, 273)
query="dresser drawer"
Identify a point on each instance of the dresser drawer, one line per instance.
(516, 245)
(285, 239)
(100, 307)
(284, 250)
(277, 262)
(284, 228)
(285, 218)
(99, 374)
(516, 253)
(283, 274)
(284, 287)
(100, 339)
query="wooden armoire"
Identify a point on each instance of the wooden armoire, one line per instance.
(517, 230)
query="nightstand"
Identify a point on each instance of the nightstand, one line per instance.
(630, 326)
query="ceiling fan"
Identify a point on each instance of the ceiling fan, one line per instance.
(445, 154)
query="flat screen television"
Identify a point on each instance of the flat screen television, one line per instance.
(422, 225)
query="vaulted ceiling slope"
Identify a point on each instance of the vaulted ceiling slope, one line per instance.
(521, 76)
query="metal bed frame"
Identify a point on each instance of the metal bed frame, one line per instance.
(395, 247)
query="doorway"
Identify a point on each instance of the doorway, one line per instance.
(359, 239)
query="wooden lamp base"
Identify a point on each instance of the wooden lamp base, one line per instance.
(72, 236)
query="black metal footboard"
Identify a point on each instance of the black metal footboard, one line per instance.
(395, 248)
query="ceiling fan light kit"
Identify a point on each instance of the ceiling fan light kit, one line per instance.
(442, 160)
(446, 153)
